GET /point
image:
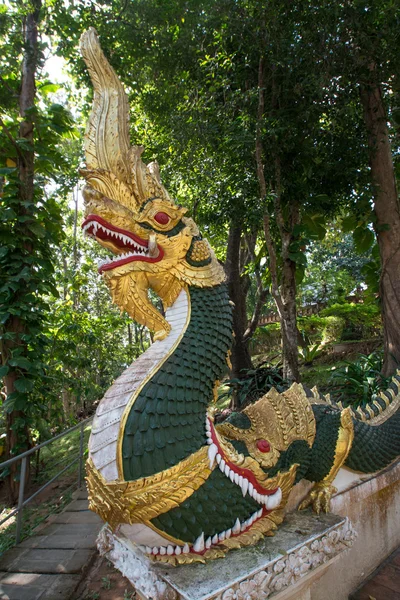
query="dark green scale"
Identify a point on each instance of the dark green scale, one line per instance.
(167, 421)
(374, 447)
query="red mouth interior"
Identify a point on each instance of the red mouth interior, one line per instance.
(240, 471)
(124, 240)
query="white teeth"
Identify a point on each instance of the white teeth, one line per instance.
(215, 539)
(219, 458)
(244, 486)
(148, 550)
(236, 478)
(232, 476)
(155, 550)
(222, 465)
(185, 549)
(208, 542)
(170, 550)
(198, 546)
(178, 550)
(212, 452)
(227, 470)
(240, 480)
(208, 426)
(259, 513)
(236, 527)
(251, 489)
(163, 550)
(221, 536)
(243, 526)
(228, 533)
(152, 245)
(209, 437)
(274, 500)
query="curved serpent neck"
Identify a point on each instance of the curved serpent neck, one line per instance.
(166, 422)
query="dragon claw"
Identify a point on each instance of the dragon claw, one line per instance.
(319, 498)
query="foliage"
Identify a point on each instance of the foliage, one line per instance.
(267, 339)
(310, 353)
(255, 383)
(361, 320)
(334, 269)
(333, 329)
(356, 382)
(30, 229)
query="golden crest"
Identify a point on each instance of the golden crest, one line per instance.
(277, 418)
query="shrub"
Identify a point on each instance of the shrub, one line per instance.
(267, 338)
(361, 320)
(356, 382)
(323, 330)
(255, 383)
(309, 353)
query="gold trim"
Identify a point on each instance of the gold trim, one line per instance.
(144, 382)
(146, 498)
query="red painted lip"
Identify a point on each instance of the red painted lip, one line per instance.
(131, 244)
(244, 472)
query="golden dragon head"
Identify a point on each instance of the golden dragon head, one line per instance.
(129, 212)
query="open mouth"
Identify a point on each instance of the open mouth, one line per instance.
(129, 246)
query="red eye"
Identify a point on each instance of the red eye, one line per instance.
(162, 218)
(263, 445)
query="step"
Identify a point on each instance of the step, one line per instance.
(27, 586)
(46, 560)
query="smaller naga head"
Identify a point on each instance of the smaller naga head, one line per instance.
(129, 212)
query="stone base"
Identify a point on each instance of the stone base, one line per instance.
(283, 566)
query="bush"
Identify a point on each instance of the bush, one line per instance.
(323, 330)
(267, 338)
(362, 321)
(255, 383)
(356, 382)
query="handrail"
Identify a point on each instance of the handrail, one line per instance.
(24, 456)
(10, 461)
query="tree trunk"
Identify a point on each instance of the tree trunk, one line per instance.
(387, 224)
(240, 357)
(17, 428)
(283, 292)
(290, 333)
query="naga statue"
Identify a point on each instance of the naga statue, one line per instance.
(161, 473)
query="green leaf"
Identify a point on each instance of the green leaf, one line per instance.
(23, 385)
(22, 362)
(48, 88)
(349, 224)
(37, 229)
(363, 239)
(4, 370)
(298, 257)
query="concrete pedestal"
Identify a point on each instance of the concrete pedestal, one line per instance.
(283, 566)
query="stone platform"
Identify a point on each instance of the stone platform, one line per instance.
(282, 566)
(51, 563)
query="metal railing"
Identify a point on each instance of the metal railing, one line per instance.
(25, 456)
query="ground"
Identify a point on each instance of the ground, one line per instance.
(103, 582)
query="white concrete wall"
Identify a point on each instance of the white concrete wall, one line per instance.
(372, 503)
